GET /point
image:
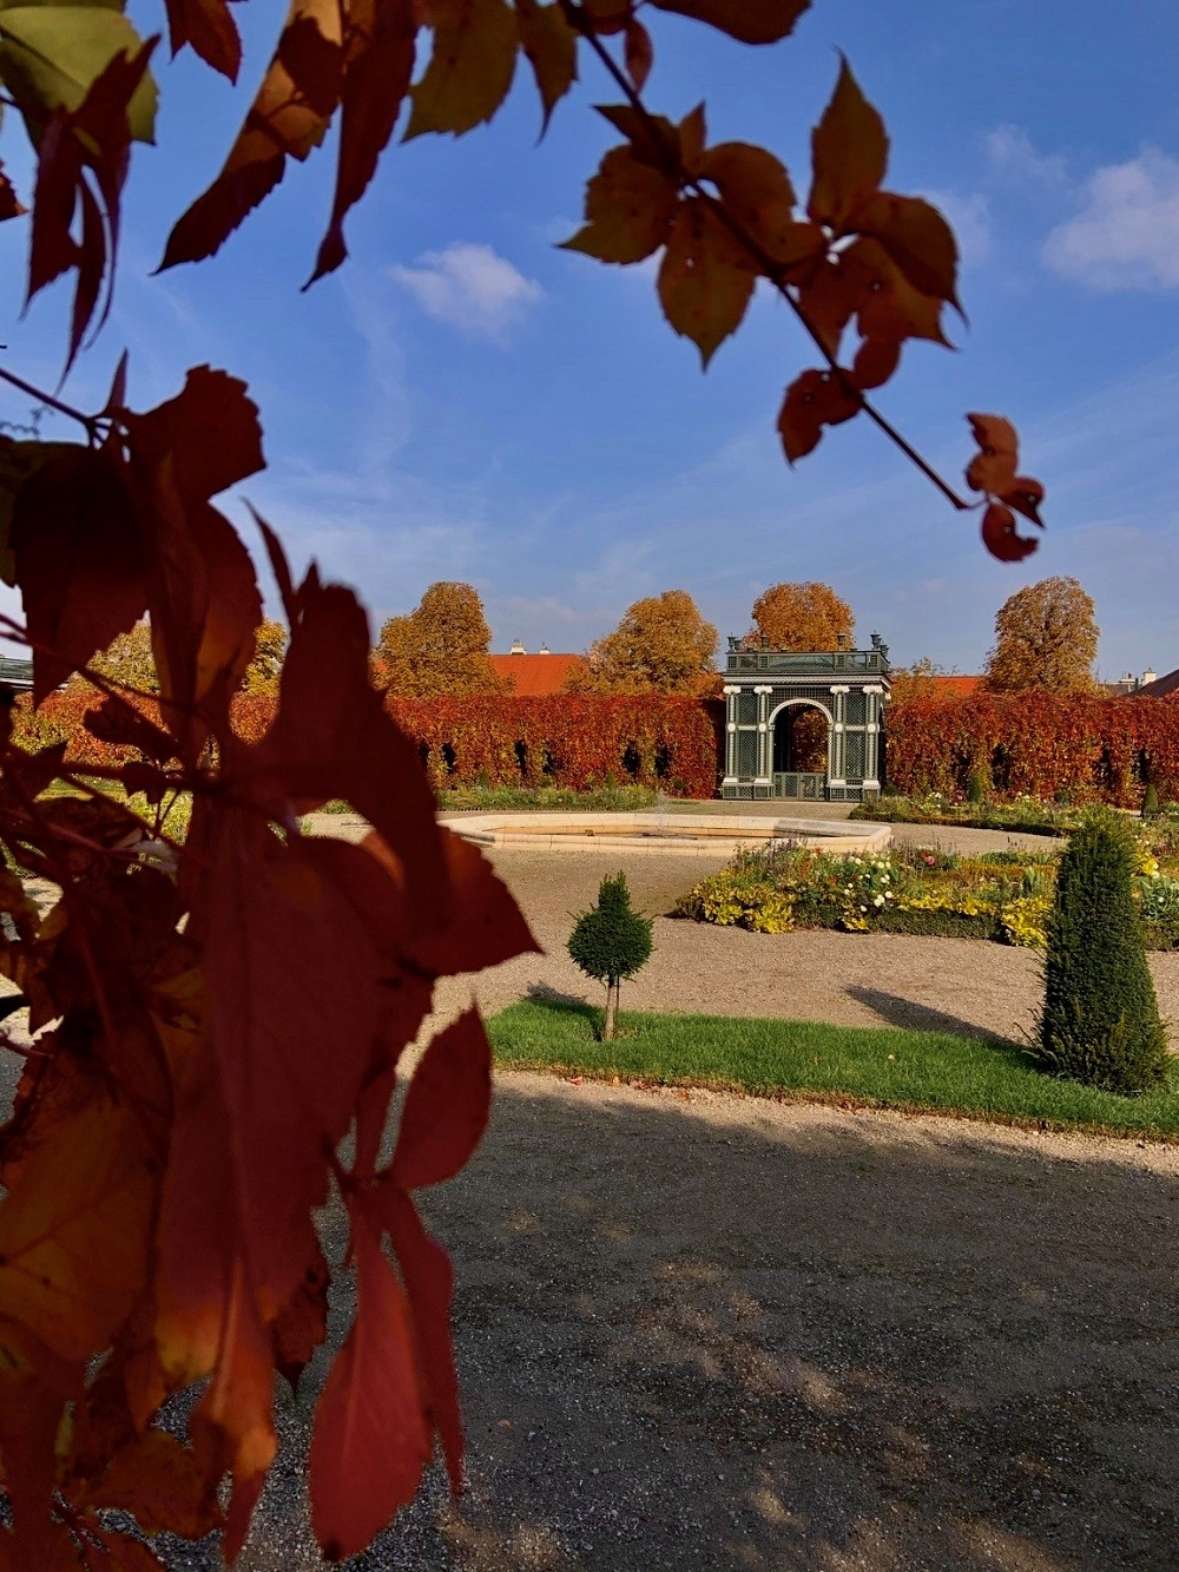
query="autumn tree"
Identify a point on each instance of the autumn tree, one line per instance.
(1045, 637)
(662, 645)
(440, 647)
(918, 681)
(129, 659)
(178, 1126)
(806, 616)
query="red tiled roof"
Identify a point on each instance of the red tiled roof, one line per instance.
(955, 687)
(536, 676)
(1162, 688)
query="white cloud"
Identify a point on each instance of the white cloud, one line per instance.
(1011, 150)
(472, 287)
(1126, 235)
(970, 219)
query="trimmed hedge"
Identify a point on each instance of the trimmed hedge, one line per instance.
(575, 742)
(1073, 749)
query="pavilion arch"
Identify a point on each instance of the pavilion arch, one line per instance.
(762, 686)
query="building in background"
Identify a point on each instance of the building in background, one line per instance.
(536, 676)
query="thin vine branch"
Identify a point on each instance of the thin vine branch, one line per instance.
(90, 422)
(771, 269)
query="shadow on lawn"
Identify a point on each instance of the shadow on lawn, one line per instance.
(720, 1337)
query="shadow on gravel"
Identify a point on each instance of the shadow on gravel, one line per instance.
(737, 1336)
(898, 1011)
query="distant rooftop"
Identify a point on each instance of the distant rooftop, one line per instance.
(536, 676)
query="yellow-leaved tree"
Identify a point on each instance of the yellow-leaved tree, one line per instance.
(661, 645)
(1045, 637)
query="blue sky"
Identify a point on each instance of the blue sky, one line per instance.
(464, 400)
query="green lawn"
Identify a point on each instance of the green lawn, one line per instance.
(881, 1067)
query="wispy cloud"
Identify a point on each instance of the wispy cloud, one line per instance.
(472, 288)
(1126, 234)
(1011, 150)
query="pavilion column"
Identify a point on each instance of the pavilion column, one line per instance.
(837, 736)
(731, 693)
(765, 741)
(873, 695)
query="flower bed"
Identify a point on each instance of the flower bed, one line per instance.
(1001, 896)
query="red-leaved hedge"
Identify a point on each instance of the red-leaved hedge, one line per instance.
(1085, 749)
(569, 741)
(1080, 748)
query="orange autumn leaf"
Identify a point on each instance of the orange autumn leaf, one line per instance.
(751, 21)
(550, 45)
(74, 1231)
(706, 278)
(471, 66)
(208, 26)
(629, 207)
(850, 152)
(288, 119)
(446, 1107)
(378, 60)
(813, 400)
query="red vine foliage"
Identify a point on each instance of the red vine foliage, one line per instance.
(174, 1131)
(1088, 749)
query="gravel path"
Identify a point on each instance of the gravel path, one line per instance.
(701, 1334)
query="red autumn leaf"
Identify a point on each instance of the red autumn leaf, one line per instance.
(333, 738)
(992, 469)
(301, 1325)
(158, 1480)
(706, 277)
(813, 400)
(471, 65)
(876, 360)
(79, 561)
(288, 119)
(379, 58)
(35, 1386)
(125, 1554)
(850, 152)
(608, 17)
(446, 1107)
(202, 590)
(429, 1281)
(370, 1442)
(887, 304)
(209, 27)
(750, 21)
(551, 47)
(10, 204)
(92, 140)
(483, 926)
(1000, 536)
(828, 299)
(640, 54)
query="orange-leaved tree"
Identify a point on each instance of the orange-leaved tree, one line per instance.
(661, 645)
(802, 617)
(438, 648)
(1045, 637)
(176, 1126)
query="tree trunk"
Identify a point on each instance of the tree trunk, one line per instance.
(612, 989)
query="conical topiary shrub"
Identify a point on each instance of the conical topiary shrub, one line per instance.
(1101, 1019)
(611, 941)
(1150, 801)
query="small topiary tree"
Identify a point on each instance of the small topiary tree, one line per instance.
(611, 941)
(976, 791)
(1150, 801)
(1100, 1023)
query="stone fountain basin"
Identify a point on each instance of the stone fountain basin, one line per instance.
(667, 834)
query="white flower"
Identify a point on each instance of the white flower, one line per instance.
(879, 901)
(863, 908)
